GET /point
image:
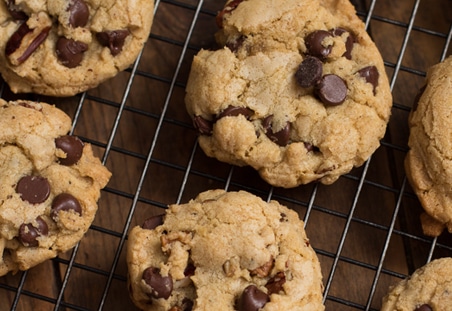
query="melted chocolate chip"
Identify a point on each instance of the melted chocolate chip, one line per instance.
(350, 41)
(424, 307)
(64, 202)
(153, 222)
(70, 52)
(275, 284)
(370, 73)
(314, 44)
(187, 304)
(252, 299)
(311, 147)
(28, 233)
(281, 137)
(235, 45)
(331, 90)
(309, 72)
(72, 146)
(114, 40)
(190, 270)
(203, 126)
(78, 13)
(33, 189)
(15, 12)
(161, 286)
(232, 111)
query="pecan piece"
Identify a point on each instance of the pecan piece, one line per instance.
(263, 270)
(27, 38)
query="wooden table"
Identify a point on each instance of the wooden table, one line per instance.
(365, 227)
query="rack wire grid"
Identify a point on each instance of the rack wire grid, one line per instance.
(365, 227)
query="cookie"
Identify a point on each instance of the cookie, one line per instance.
(427, 289)
(49, 184)
(224, 251)
(428, 162)
(61, 48)
(298, 90)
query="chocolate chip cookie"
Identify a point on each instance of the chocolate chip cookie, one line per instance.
(62, 47)
(427, 289)
(428, 162)
(224, 251)
(298, 90)
(50, 184)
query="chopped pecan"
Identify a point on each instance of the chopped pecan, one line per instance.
(263, 270)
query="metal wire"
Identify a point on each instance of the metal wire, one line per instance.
(307, 205)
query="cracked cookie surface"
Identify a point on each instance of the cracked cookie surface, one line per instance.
(427, 289)
(429, 161)
(298, 91)
(50, 184)
(224, 251)
(61, 48)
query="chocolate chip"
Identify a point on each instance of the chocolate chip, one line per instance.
(202, 125)
(64, 202)
(371, 75)
(314, 44)
(70, 52)
(235, 45)
(252, 299)
(309, 72)
(72, 147)
(274, 285)
(114, 40)
(331, 90)
(28, 233)
(232, 111)
(350, 41)
(33, 189)
(153, 222)
(424, 307)
(161, 286)
(15, 42)
(78, 13)
(281, 137)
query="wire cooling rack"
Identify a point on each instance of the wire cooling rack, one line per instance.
(365, 227)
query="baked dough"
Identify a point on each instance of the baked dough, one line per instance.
(298, 90)
(50, 184)
(61, 47)
(224, 251)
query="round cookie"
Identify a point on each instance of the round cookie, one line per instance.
(298, 91)
(50, 184)
(427, 289)
(61, 47)
(224, 251)
(428, 162)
